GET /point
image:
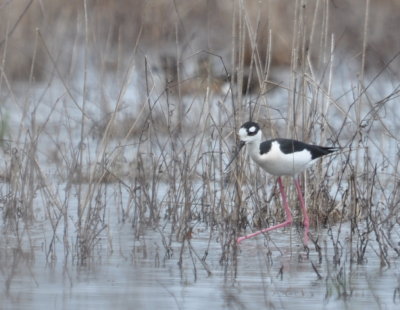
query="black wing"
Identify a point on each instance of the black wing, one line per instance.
(288, 146)
(265, 146)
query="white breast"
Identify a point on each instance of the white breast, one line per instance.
(277, 163)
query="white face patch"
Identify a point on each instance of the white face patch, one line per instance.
(242, 132)
(252, 129)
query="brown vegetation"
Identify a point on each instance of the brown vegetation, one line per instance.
(85, 156)
(270, 28)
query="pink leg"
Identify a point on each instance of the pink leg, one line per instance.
(303, 210)
(288, 221)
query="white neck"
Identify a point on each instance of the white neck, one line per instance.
(253, 146)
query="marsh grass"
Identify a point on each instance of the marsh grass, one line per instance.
(155, 157)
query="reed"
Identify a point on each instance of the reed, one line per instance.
(110, 128)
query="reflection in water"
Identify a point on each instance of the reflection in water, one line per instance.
(140, 275)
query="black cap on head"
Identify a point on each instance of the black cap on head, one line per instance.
(251, 127)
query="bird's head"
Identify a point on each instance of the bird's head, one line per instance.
(249, 132)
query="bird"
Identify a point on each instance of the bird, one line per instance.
(280, 157)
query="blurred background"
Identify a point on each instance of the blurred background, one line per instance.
(117, 120)
(166, 29)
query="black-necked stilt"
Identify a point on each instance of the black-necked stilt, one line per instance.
(280, 157)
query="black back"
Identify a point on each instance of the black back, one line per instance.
(288, 146)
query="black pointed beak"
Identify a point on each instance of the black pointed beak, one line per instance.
(239, 147)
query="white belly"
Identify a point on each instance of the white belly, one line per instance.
(277, 163)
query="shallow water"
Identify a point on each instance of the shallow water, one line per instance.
(136, 274)
(126, 273)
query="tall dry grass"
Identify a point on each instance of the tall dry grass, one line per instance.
(114, 27)
(85, 154)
